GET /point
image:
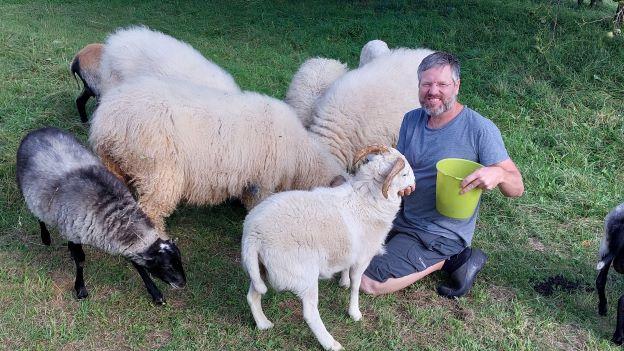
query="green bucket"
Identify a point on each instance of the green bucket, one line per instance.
(449, 202)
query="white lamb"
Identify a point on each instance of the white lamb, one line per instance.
(138, 51)
(366, 105)
(301, 236)
(372, 50)
(309, 82)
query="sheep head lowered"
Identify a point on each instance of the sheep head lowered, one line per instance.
(380, 156)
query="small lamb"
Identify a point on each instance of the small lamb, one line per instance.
(66, 186)
(301, 236)
(612, 251)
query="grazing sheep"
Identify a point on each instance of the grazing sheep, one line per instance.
(301, 236)
(612, 251)
(179, 141)
(66, 186)
(138, 51)
(372, 50)
(86, 65)
(366, 105)
(310, 82)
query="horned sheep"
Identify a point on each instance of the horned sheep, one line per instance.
(301, 236)
(178, 141)
(67, 187)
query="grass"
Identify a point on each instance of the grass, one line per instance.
(544, 71)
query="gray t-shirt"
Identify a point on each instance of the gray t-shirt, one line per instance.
(469, 136)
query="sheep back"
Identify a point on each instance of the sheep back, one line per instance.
(366, 105)
(137, 51)
(210, 143)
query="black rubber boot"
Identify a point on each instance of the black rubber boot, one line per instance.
(463, 277)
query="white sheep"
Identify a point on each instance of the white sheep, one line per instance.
(86, 65)
(612, 252)
(372, 50)
(309, 82)
(301, 236)
(67, 187)
(366, 105)
(178, 141)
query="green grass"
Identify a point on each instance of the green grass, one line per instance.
(544, 71)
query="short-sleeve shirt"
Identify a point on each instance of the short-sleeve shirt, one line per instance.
(469, 136)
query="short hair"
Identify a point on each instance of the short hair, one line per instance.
(438, 59)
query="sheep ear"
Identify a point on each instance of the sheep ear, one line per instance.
(337, 181)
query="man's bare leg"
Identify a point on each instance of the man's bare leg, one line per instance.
(373, 287)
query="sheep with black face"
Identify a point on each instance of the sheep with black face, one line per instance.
(66, 186)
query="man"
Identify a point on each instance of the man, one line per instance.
(422, 240)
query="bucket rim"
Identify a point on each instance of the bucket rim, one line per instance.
(455, 159)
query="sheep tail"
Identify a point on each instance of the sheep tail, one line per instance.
(251, 262)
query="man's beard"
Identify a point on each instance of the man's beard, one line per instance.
(446, 105)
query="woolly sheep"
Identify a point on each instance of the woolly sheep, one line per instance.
(612, 251)
(178, 141)
(366, 105)
(138, 51)
(301, 236)
(372, 50)
(309, 82)
(86, 65)
(67, 187)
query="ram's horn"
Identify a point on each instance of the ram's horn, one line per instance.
(368, 150)
(398, 167)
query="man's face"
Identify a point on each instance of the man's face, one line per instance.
(437, 92)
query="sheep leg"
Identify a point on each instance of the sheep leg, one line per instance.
(345, 282)
(601, 282)
(45, 234)
(78, 255)
(152, 289)
(253, 299)
(81, 103)
(309, 299)
(618, 335)
(354, 300)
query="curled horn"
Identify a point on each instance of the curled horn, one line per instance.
(368, 150)
(398, 166)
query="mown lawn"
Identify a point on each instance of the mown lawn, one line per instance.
(544, 71)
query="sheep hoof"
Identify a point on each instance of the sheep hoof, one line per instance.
(355, 315)
(617, 339)
(602, 310)
(82, 293)
(335, 346)
(264, 325)
(345, 283)
(160, 301)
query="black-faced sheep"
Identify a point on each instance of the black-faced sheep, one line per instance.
(612, 251)
(67, 187)
(301, 236)
(178, 141)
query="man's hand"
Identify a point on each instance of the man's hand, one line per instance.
(504, 174)
(407, 190)
(486, 178)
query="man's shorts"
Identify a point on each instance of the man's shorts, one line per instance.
(410, 253)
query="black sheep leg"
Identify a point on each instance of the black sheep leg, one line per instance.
(45, 234)
(79, 257)
(81, 103)
(152, 289)
(618, 335)
(601, 282)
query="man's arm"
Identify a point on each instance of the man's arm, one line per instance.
(504, 174)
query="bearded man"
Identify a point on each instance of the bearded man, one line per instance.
(422, 240)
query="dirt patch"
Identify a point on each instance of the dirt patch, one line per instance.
(501, 293)
(536, 245)
(560, 283)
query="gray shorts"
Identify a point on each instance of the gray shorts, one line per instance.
(410, 253)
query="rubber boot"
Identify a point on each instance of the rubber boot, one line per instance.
(464, 276)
